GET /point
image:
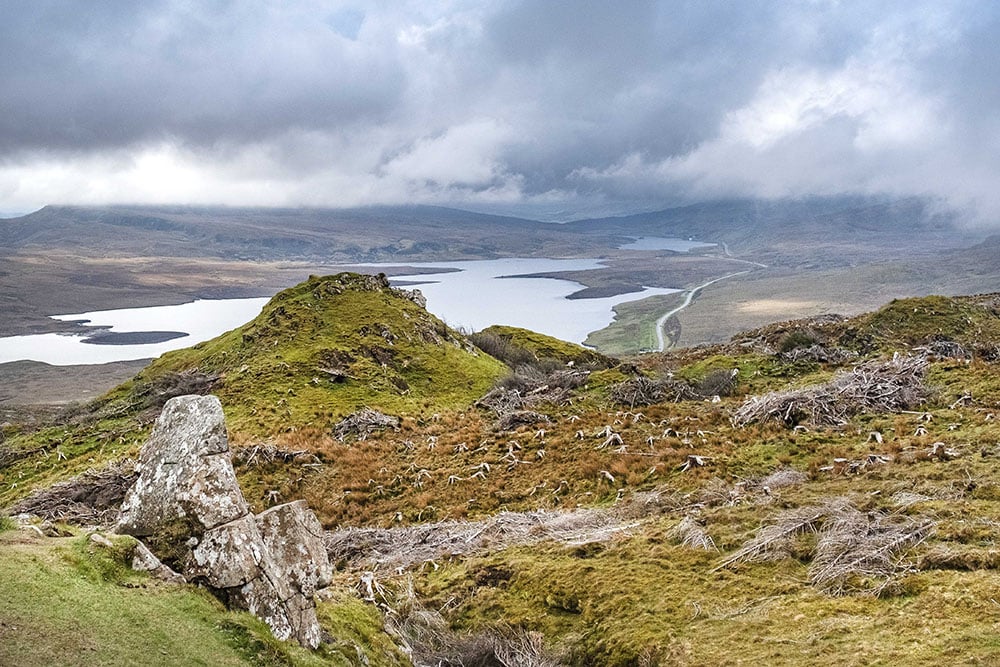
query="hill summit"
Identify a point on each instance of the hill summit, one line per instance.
(326, 348)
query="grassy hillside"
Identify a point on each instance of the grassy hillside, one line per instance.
(68, 601)
(815, 491)
(316, 353)
(328, 347)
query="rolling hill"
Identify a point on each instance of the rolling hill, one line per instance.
(815, 490)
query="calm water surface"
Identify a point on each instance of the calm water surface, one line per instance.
(482, 293)
(200, 320)
(476, 295)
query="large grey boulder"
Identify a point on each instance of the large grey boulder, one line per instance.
(184, 471)
(294, 538)
(271, 564)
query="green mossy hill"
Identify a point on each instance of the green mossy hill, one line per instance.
(316, 353)
(327, 347)
(539, 346)
(972, 322)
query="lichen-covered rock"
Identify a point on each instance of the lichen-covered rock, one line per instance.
(294, 538)
(270, 565)
(228, 556)
(260, 599)
(144, 560)
(184, 471)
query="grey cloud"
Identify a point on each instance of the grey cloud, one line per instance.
(630, 104)
(80, 76)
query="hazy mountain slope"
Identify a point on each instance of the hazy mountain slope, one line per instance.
(800, 232)
(365, 234)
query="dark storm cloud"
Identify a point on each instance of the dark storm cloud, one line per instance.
(632, 104)
(93, 75)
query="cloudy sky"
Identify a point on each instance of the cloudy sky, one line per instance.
(563, 106)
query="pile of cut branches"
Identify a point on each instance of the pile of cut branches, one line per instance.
(363, 423)
(863, 552)
(93, 498)
(425, 635)
(408, 546)
(502, 401)
(511, 397)
(265, 453)
(874, 386)
(512, 420)
(646, 391)
(854, 552)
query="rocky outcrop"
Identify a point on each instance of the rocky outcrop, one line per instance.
(184, 471)
(144, 560)
(271, 564)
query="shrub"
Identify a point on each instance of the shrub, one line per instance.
(798, 338)
(502, 348)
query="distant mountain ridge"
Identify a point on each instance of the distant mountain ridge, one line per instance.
(385, 233)
(363, 234)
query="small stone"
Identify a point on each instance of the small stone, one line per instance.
(102, 541)
(144, 560)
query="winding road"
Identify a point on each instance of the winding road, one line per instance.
(687, 302)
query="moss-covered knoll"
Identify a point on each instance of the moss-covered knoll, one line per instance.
(971, 321)
(547, 347)
(329, 346)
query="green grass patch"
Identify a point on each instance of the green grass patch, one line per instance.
(644, 601)
(55, 611)
(68, 601)
(633, 329)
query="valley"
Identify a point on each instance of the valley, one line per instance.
(835, 255)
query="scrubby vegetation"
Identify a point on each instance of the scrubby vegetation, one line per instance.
(811, 492)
